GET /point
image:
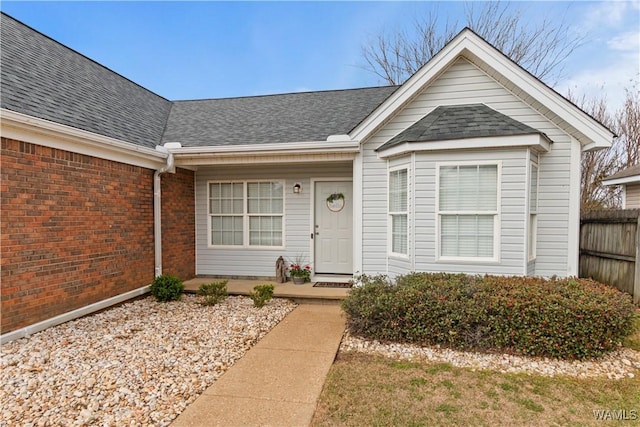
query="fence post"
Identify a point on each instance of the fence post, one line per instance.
(636, 279)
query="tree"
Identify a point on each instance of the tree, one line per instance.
(628, 127)
(540, 48)
(624, 152)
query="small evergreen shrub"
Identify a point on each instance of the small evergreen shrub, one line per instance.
(213, 293)
(560, 318)
(167, 288)
(261, 294)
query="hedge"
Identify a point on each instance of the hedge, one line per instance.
(560, 318)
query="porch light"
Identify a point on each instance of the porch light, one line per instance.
(297, 188)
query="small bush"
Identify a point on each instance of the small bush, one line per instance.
(568, 318)
(213, 293)
(167, 288)
(261, 294)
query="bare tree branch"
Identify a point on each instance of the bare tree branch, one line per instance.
(540, 48)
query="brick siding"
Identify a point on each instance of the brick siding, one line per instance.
(178, 224)
(77, 229)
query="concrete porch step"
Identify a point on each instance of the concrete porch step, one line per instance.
(301, 294)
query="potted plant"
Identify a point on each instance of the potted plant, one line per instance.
(299, 272)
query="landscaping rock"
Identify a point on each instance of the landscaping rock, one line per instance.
(140, 363)
(624, 363)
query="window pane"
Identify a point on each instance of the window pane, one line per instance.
(253, 190)
(265, 231)
(487, 187)
(399, 234)
(264, 197)
(226, 230)
(398, 191)
(533, 189)
(277, 190)
(238, 190)
(468, 188)
(467, 235)
(448, 188)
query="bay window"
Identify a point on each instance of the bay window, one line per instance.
(467, 211)
(398, 210)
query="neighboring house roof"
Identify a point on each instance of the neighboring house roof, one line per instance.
(460, 122)
(42, 78)
(625, 176)
(293, 117)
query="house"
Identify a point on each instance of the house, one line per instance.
(472, 165)
(629, 179)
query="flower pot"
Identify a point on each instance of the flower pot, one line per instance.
(298, 280)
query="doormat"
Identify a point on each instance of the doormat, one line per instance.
(331, 285)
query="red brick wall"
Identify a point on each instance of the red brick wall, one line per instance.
(76, 229)
(178, 224)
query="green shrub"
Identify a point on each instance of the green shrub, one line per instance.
(167, 288)
(560, 318)
(261, 294)
(213, 293)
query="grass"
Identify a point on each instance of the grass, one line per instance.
(376, 391)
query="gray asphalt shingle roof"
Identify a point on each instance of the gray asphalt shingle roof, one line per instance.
(460, 122)
(293, 117)
(42, 78)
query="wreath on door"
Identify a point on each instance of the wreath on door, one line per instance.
(335, 202)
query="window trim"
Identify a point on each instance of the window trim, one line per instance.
(497, 232)
(532, 229)
(390, 213)
(246, 215)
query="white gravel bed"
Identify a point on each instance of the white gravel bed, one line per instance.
(137, 364)
(624, 363)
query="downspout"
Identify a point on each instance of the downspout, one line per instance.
(157, 209)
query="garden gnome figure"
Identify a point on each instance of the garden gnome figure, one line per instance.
(281, 271)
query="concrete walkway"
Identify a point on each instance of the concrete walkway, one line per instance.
(279, 380)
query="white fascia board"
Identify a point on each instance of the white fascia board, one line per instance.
(469, 45)
(43, 132)
(625, 180)
(535, 141)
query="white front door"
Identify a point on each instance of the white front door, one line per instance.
(333, 227)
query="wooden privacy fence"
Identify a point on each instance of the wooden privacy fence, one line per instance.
(610, 248)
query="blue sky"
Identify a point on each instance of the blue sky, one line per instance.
(192, 50)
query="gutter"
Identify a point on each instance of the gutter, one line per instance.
(157, 206)
(331, 145)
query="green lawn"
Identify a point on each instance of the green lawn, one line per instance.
(365, 390)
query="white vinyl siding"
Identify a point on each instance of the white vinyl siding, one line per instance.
(632, 196)
(464, 83)
(398, 188)
(259, 261)
(468, 211)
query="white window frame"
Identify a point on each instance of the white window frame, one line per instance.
(390, 213)
(246, 215)
(496, 214)
(532, 231)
